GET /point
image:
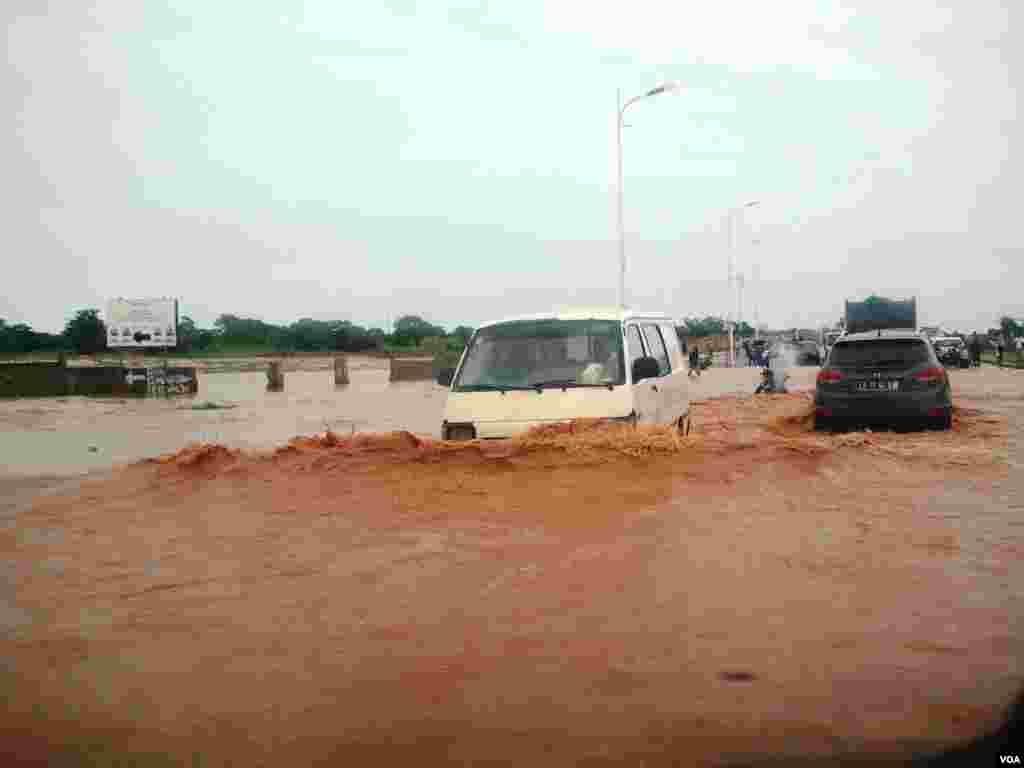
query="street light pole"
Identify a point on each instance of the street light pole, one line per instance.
(732, 215)
(620, 115)
(622, 230)
(757, 296)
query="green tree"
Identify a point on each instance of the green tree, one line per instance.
(85, 332)
(706, 326)
(462, 333)
(237, 331)
(411, 330)
(308, 335)
(1011, 328)
(187, 334)
(349, 337)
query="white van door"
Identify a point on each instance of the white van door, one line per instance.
(679, 381)
(667, 391)
(646, 395)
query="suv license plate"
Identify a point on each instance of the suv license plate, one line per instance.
(878, 386)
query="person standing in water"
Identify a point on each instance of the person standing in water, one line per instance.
(975, 347)
(694, 360)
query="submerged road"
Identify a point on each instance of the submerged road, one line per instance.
(593, 598)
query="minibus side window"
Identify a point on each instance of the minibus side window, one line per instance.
(634, 346)
(675, 356)
(657, 346)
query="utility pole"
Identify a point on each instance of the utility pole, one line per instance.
(757, 296)
(730, 221)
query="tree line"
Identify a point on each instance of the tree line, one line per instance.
(711, 326)
(86, 333)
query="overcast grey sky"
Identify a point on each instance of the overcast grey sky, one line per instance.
(456, 160)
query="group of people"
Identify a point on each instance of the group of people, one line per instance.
(755, 356)
(975, 345)
(974, 349)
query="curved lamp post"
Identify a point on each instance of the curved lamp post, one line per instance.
(663, 88)
(732, 216)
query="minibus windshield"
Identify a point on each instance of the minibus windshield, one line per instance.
(540, 354)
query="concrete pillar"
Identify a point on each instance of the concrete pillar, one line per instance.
(340, 371)
(411, 369)
(275, 377)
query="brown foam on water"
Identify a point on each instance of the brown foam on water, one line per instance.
(774, 425)
(375, 579)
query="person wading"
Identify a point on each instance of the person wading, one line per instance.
(694, 360)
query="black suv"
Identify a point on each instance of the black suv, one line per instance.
(883, 378)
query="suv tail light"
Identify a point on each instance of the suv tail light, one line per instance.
(931, 376)
(829, 377)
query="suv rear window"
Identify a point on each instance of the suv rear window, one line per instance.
(881, 353)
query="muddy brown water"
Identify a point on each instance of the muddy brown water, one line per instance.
(64, 436)
(587, 598)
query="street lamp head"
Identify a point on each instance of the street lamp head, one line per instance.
(752, 203)
(671, 85)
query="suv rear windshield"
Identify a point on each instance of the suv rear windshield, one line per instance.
(880, 353)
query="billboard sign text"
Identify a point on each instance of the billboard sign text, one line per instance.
(142, 323)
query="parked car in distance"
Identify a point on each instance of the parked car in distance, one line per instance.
(810, 353)
(796, 352)
(890, 379)
(951, 351)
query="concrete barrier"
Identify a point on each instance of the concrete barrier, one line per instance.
(446, 359)
(56, 380)
(33, 380)
(340, 371)
(103, 381)
(275, 377)
(411, 369)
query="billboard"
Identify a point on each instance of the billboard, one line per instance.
(142, 323)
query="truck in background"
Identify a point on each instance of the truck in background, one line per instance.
(876, 314)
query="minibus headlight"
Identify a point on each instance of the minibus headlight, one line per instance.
(459, 432)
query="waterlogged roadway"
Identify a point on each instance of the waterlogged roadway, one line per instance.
(592, 598)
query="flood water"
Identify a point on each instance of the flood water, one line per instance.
(624, 597)
(62, 436)
(76, 435)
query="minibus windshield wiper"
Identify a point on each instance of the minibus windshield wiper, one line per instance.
(490, 387)
(566, 383)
